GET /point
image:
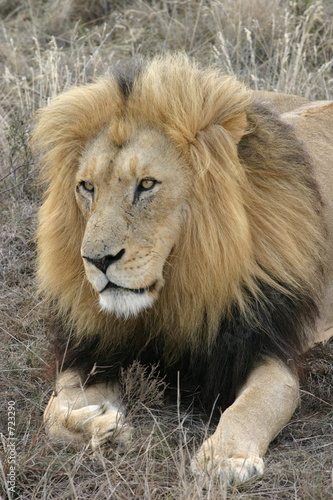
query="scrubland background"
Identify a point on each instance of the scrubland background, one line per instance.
(47, 46)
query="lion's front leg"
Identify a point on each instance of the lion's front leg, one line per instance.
(90, 414)
(263, 407)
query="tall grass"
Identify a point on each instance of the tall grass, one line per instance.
(47, 46)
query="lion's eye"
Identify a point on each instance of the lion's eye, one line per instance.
(147, 184)
(88, 186)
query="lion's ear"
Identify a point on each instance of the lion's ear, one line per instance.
(236, 126)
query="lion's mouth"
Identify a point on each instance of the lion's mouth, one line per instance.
(139, 291)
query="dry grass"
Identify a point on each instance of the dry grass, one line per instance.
(48, 46)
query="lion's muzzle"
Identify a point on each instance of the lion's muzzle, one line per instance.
(119, 292)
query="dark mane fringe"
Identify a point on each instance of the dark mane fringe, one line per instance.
(280, 325)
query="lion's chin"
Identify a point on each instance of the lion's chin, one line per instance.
(125, 304)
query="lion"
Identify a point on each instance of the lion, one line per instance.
(187, 222)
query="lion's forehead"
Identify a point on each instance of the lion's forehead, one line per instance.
(147, 153)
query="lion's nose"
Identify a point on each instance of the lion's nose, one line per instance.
(102, 263)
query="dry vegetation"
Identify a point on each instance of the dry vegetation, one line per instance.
(46, 46)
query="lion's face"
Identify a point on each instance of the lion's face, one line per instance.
(133, 199)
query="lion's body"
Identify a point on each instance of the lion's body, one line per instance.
(312, 123)
(199, 237)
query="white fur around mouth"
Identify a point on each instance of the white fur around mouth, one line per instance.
(125, 302)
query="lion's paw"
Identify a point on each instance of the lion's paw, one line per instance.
(96, 424)
(231, 469)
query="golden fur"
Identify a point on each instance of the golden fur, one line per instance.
(241, 227)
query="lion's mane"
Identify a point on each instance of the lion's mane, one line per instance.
(244, 280)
